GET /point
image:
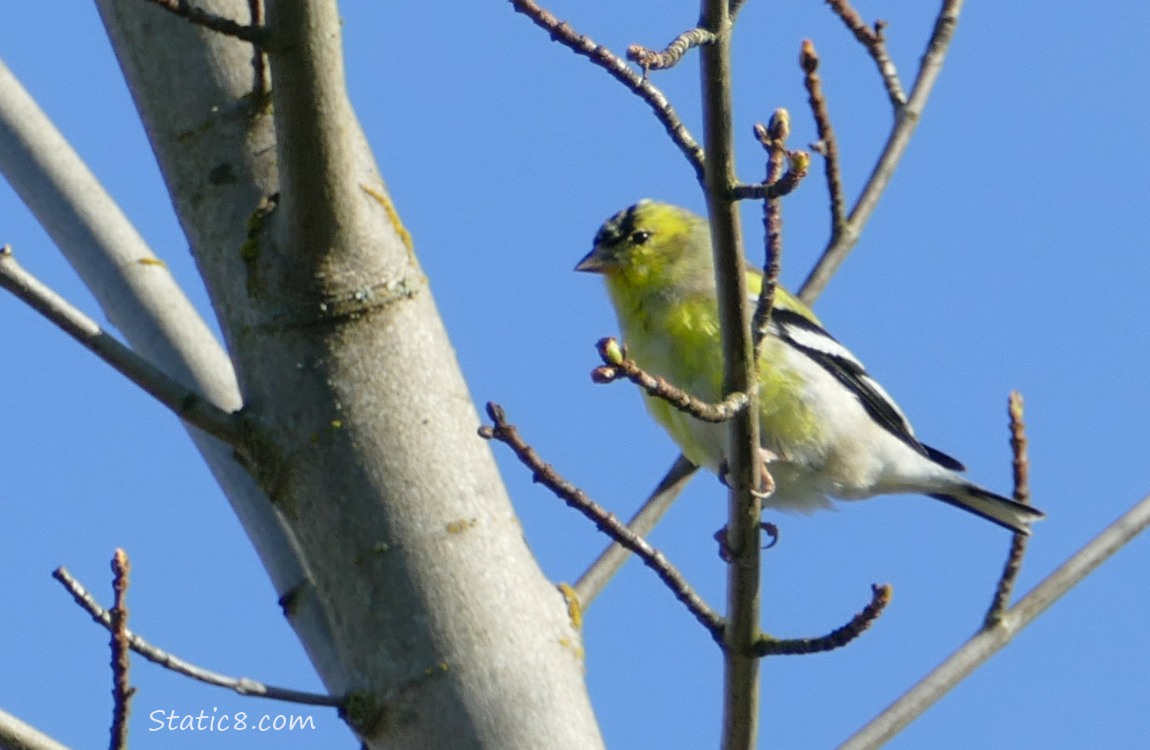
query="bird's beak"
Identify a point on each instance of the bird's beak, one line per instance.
(592, 262)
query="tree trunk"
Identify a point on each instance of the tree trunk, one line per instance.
(397, 555)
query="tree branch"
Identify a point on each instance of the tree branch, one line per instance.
(906, 121)
(639, 85)
(241, 685)
(798, 164)
(616, 365)
(827, 144)
(15, 733)
(543, 473)
(745, 473)
(133, 288)
(122, 690)
(316, 156)
(872, 39)
(989, 640)
(669, 57)
(135, 291)
(185, 404)
(773, 138)
(595, 579)
(880, 598)
(1021, 466)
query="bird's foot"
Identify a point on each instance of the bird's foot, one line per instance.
(725, 553)
(766, 481)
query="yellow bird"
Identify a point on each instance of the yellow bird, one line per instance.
(828, 429)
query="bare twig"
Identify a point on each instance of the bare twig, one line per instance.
(1021, 466)
(595, 579)
(649, 59)
(122, 690)
(226, 26)
(616, 365)
(989, 640)
(773, 137)
(606, 522)
(798, 165)
(827, 145)
(184, 403)
(581, 45)
(880, 597)
(905, 122)
(241, 685)
(872, 39)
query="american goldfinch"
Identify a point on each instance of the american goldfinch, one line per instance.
(828, 429)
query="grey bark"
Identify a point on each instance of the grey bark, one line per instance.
(375, 507)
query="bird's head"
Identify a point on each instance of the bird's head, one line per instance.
(651, 243)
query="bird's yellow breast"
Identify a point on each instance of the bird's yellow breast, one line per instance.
(679, 339)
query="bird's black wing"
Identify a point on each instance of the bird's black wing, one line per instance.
(809, 338)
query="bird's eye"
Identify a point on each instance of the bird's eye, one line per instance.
(640, 237)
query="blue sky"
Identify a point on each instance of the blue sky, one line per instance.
(1003, 256)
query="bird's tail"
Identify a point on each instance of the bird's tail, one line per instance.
(1003, 511)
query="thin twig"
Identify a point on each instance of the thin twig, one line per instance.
(616, 365)
(122, 690)
(1021, 468)
(798, 165)
(988, 641)
(880, 597)
(827, 144)
(242, 685)
(875, 43)
(905, 122)
(182, 8)
(606, 522)
(596, 577)
(184, 403)
(561, 32)
(649, 59)
(773, 138)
